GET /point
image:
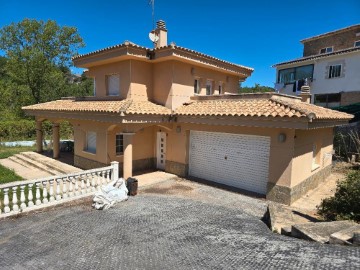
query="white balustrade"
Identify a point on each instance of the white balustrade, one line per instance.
(53, 190)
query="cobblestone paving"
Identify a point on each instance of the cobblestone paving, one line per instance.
(155, 231)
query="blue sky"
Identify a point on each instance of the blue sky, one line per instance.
(255, 33)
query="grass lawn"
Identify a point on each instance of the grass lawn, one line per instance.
(7, 175)
(6, 151)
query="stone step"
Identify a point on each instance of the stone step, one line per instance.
(280, 218)
(20, 158)
(345, 236)
(24, 171)
(320, 231)
(53, 164)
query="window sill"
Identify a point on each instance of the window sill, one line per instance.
(90, 153)
(119, 154)
(315, 167)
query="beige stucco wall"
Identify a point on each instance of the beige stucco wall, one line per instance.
(141, 78)
(100, 72)
(302, 164)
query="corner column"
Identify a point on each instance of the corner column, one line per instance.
(39, 137)
(56, 140)
(128, 151)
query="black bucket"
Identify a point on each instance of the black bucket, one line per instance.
(132, 186)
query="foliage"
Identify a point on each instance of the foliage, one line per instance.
(36, 50)
(256, 89)
(7, 175)
(347, 142)
(7, 151)
(36, 65)
(345, 204)
(13, 130)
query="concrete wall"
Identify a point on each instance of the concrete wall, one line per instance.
(340, 41)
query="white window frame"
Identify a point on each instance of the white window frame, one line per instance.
(357, 41)
(332, 73)
(210, 84)
(197, 90)
(108, 92)
(116, 141)
(90, 146)
(326, 50)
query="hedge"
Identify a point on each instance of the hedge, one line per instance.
(24, 129)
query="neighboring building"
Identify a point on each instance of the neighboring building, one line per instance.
(330, 63)
(178, 110)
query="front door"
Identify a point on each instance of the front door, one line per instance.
(161, 150)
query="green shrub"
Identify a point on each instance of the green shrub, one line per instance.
(345, 204)
(23, 129)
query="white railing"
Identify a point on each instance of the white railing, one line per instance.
(24, 196)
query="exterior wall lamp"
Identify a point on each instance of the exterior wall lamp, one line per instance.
(281, 137)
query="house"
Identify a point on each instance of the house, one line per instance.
(177, 110)
(330, 63)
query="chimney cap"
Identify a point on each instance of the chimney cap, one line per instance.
(160, 24)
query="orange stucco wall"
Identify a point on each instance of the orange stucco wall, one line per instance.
(302, 165)
(169, 83)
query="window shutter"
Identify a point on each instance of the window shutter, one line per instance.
(91, 142)
(113, 84)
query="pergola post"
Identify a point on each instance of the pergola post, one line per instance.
(56, 140)
(128, 151)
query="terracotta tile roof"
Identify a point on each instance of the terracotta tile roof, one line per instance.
(314, 57)
(259, 106)
(126, 106)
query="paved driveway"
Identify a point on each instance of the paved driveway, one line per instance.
(174, 225)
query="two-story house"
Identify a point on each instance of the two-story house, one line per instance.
(175, 109)
(331, 65)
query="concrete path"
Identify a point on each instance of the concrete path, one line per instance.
(31, 165)
(175, 224)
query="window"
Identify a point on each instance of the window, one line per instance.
(208, 87)
(119, 145)
(220, 88)
(326, 50)
(357, 43)
(334, 71)
(315, 156)
(196, 86)
(290, 75)
(113, 85)
(328, 100)
(90, 142)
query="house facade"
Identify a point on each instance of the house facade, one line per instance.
(174, 109)
(330, 65)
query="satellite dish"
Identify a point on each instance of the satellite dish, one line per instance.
(153, 37)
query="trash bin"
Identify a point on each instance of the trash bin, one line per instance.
(132, 186)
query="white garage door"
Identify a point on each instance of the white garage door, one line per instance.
(236, 160)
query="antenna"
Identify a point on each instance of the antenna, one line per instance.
(152, 3)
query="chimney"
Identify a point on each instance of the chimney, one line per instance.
(305, 93)
(161, 32)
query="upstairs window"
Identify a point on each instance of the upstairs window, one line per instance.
(113, 84)
(357, 43)
(290, 75)
(196, 86)
(119, 144)
(334, 71)
(209, 87)
(220, 88)
(328, 100)
(90, 142)
(94, 86)
(326, 50)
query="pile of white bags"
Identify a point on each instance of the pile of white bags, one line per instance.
(110, 194)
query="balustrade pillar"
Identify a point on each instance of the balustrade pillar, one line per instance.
(22, 197)
(6, 201)
(14, 199)
(30, 195)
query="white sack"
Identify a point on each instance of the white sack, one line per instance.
(110, 194)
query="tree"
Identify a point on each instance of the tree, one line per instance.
(256, 89)
(36, 52)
